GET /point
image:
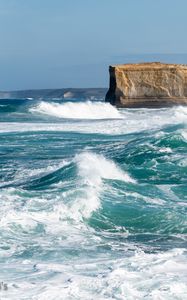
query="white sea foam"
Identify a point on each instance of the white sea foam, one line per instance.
(165, 150)
(180, 113)
(47, 227)
(139, 276)
(80, 110)
(115, 121)
(147, 199)
(82, 202)
(92, 168)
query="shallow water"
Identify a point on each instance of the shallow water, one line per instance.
(93, 201)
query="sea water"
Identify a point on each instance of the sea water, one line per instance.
(93, 201)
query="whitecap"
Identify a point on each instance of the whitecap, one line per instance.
(79, 110)
(92, 168)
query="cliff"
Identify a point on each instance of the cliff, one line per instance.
(147, 85)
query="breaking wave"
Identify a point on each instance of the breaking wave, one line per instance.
(79, 110)
(92, 169)
(92, 208)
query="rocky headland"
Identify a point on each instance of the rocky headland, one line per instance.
(147, 85)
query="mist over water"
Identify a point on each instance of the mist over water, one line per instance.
(93, 201)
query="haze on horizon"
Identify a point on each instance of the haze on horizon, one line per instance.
(59, 44)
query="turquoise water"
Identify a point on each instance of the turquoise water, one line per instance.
(93, 201)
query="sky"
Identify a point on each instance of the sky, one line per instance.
(71, 43)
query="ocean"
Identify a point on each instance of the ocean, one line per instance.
(93, 201)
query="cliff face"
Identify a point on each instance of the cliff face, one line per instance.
(147, 85)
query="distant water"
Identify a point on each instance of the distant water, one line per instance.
(93, 201)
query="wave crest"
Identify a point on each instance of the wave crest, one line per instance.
(92, 169)
(79, 110)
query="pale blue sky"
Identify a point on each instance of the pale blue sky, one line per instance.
(58, 43)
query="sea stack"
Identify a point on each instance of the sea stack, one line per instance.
(147, 85)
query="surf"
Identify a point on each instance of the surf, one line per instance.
(77, 110)
(99, 199)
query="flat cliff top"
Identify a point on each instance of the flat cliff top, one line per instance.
(151, 65)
